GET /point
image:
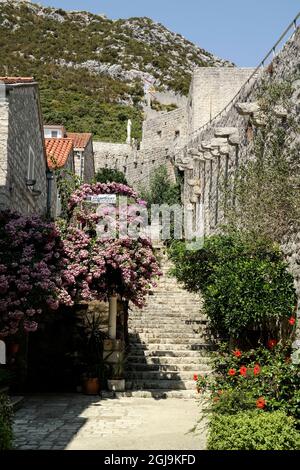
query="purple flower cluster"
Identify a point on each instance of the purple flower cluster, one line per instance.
(41, 268)
(31, 254)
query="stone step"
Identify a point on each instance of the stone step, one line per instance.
(169, 352)
(143, 384)
(176, 340)
(164, 375)
(186, 361)
(165, 323)
(183, 337)
(169, 346)
(167, 329)
(144, 367)
(158, 394)
(167, 318)
(16, 402)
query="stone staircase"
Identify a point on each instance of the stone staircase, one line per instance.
(169, 342)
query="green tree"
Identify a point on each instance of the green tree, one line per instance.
(161, 189)
(106, 175)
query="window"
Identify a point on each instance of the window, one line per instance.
(31, 161)
(54, 133)
(177, 134)
(159, 133)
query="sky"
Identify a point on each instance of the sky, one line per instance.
(242, 31)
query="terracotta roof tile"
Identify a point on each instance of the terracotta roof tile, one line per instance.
(13, 80)
(80, 140)
(58, 151)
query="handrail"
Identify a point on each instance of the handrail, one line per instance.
(272, 51)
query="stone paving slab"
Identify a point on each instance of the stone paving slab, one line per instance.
(89, 423)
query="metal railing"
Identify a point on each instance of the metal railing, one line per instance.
(272, 52)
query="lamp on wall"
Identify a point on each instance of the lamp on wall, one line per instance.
(30, 183)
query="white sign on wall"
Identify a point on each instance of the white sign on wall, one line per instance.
(102, 199)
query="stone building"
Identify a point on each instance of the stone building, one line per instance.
(82, 146)
(83, 155)
(23, 166)
(60, 154)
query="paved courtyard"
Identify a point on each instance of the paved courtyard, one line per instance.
(88, 423)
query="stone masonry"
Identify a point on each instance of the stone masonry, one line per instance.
(167, 132)
(213, 154)
(169, 342)
(22, 155)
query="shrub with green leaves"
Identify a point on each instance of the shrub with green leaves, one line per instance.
(253, 430)
(264, 378)
(161, 189)
(246, 287)
(6, 435)
(107, 175)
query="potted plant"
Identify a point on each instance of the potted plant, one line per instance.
(91, 380)
(117, 381)
(93, 357)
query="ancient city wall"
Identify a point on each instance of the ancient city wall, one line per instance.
(167, 129)
(137, 165)
(211, 89)
(212, 157)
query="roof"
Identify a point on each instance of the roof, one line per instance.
(80, 140)
(58, 152)
(14, 80)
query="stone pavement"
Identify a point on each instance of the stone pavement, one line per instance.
(73, 421)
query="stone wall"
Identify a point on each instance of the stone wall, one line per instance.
(84, 162)
(211, 90)
(167, 129)
(89, 163)
(212, 157)
(22, 155)
(137, 165)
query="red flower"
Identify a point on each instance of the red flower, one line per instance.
(216, 399)
(261, 403)
(292, 321)
(195, 377)
(272, 343)
(220, 392)
(256, 369)
(232, 372)
(237, 353)
(243, 371)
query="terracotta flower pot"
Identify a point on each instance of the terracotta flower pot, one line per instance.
(91, 386)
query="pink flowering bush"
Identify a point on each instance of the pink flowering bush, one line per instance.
(42, 267)
(98, 267)
(101, 188)
(31, 258)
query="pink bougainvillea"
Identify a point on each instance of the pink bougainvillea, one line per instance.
(42, 268)
(32, 256)
(100, 266)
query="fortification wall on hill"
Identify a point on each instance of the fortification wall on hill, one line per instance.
(212, 156)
